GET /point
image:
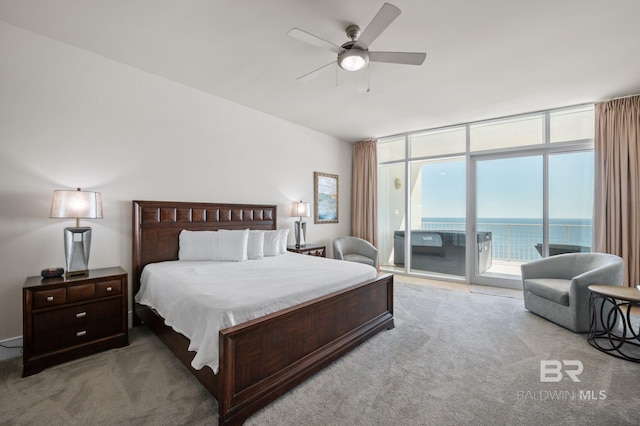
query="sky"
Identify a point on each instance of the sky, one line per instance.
(512, 187)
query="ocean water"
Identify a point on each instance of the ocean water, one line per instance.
(516, 238)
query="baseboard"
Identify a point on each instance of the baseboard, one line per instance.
(15, 349)
(15, 344)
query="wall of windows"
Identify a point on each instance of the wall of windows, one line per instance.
(479, 199)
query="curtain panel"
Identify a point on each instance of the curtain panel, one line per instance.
(364, 205)
(616, 224)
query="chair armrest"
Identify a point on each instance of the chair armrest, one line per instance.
(610, 274)
(337, 251)
(368, 250)
(549, 267)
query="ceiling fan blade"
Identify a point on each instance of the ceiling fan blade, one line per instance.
(408, 58)
(385, 16)
(304, 36)
(313, 74)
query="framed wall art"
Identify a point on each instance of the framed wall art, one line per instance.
(325, 195)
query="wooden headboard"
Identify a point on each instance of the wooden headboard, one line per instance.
(157, 225)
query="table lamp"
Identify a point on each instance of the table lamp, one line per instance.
(77, 240)
(300, 209)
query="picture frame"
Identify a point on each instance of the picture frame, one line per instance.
(325, 198)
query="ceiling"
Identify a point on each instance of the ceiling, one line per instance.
(485, 58)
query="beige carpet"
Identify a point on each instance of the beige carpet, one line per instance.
(497, 291)
(142, 384)
(454, 358)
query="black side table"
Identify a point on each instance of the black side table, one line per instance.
(610, 328)
(310, 249)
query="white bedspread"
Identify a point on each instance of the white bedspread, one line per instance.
(200, 298)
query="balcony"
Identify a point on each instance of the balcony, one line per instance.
(440, 246)
(441, 251)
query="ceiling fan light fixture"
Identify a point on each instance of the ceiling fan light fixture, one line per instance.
(353, 59)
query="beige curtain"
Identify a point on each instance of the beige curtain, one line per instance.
(364, 205)
(616, 225)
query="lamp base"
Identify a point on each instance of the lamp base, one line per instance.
(301, 232)
(77, 244)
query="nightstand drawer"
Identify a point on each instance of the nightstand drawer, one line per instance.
(46, 298)
(77, 315)
(79, 293)
(77, 335)
(108, 288)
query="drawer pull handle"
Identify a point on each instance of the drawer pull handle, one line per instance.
(81, 333)
(109, 289)
(81, 314)
(49, 298)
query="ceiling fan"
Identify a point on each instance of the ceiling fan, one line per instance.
(354, 54)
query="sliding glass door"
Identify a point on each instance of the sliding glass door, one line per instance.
(438, 200)
(527, 208)
(509, 216)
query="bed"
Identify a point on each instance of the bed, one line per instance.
(262, 358)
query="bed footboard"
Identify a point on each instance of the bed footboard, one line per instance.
(264, 358)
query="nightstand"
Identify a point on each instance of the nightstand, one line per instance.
(70, 317)
(310, 249)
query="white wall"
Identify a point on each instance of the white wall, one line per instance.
(69, 118)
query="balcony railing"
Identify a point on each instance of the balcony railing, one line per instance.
(518, 241)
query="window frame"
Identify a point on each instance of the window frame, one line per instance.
(545, 149)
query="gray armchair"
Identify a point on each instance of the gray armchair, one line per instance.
(355, 249)
(556, 287)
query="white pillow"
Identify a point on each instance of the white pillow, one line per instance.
(255, 246)
(231, 245)
(271, 243)
(225, 244)
(284, 234)
(196, 245)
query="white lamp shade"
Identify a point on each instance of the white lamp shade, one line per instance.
(76, 204)
(300, 209)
